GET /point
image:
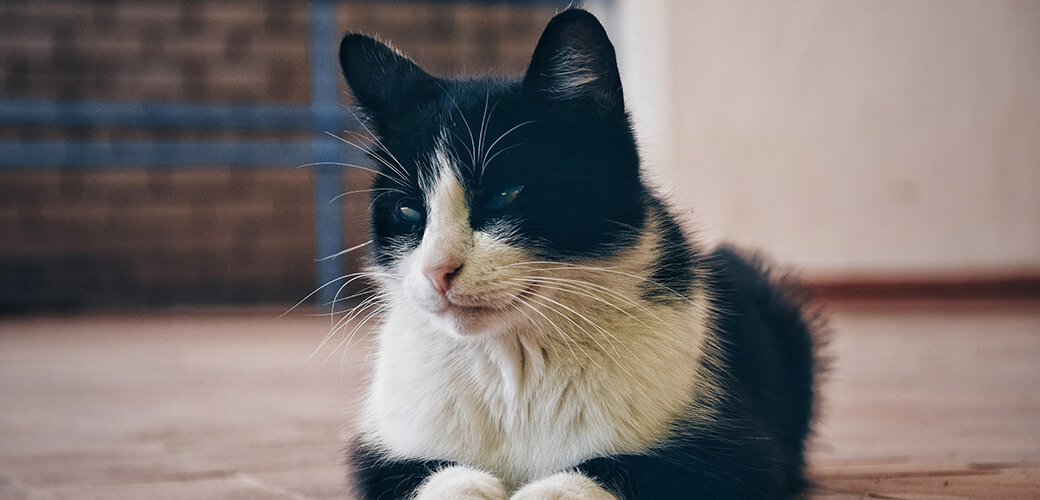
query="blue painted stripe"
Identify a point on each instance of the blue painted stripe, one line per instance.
(138, 114)
(328, 213)
(26, 155)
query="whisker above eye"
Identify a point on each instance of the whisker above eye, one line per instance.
(371, 190)
(472, 141)
(359, 167)
(375, 139)
(487, 159)
(398, 171)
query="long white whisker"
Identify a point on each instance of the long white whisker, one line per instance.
(344, 252)
(577, 290)
(491, 148)
(563, 336)
(346, 338)
(483, 131)
(614, 270)
(372, 190)
(472, 142)
(617, 355)
(359, 167)
(379, 143)
(503, 150)
(399, 172)
(374, 300)
(594, 287)
(350, 277)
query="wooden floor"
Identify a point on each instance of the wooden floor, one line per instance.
(925, 401)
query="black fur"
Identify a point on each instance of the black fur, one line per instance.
(673, 273)
(376, 478)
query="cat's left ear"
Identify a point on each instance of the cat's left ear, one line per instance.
(574, 64)
(384, 82)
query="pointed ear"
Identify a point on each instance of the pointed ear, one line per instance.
(574, 64)
(383, 81)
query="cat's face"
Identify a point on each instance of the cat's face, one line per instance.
(487, 187)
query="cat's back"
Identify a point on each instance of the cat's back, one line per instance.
(768, 332)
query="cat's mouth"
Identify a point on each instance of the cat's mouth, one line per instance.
(469, 305)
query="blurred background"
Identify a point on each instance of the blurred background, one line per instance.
(157, 153)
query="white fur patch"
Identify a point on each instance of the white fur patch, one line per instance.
(461, 483)
(563, 486)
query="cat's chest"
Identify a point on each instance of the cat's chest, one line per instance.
(522, 409)
(519, 421)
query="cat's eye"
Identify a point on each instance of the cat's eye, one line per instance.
(502, 199)
(409, 211)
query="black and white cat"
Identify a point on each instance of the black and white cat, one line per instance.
(549, 331)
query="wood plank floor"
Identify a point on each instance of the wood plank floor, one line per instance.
(925, 401)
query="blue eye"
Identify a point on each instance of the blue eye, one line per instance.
(407, 210)
(503, 198)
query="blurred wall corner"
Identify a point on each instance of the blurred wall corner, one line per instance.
(857, 141)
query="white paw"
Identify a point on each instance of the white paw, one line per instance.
(461, 483)
(563, 486)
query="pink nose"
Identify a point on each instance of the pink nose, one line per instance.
(441, 276)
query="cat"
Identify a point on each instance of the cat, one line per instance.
(548, 328)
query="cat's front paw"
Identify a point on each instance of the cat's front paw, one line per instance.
(461, 483)
(563, 486)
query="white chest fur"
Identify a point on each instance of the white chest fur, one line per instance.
(525, 404)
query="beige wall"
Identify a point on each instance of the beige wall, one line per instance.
(879, 137)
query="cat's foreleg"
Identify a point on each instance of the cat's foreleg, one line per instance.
(563, 486)
(458, 482)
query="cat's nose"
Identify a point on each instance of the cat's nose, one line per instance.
(440, 276)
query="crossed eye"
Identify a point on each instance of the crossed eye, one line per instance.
(410, 210)
(503, 198)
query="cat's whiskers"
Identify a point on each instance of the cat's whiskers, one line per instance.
(400, 170)
(338, 325)
(359, 167)
(551, 266)
(364, 292)
(596, 292)
(469, 130)
(488, 156)
(482, 133)
(349, 277)
(374, 189)
(516, 303)
(567, 342)
(581, 292)
(344, 252)
(556, 306)
(378, 300)
(345, 343)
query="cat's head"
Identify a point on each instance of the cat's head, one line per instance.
(485, 183)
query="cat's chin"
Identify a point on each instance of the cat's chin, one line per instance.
(469, 321)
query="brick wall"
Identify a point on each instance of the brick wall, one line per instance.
(160, 236)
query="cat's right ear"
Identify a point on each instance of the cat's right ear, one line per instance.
(384, 82)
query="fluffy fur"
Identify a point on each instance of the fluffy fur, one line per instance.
(548, 330)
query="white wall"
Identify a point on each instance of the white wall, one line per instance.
(878, 137)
